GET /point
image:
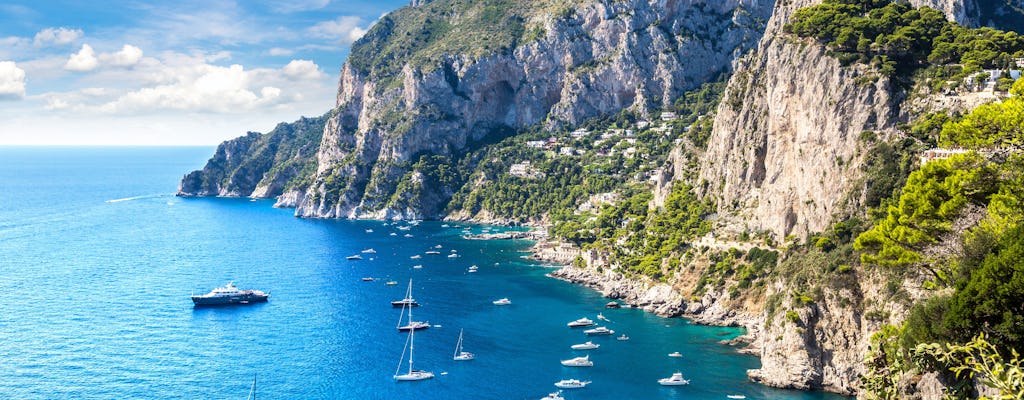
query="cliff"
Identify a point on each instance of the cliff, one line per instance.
(445, 77)
(259, 165)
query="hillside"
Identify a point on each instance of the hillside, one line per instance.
(840, 177)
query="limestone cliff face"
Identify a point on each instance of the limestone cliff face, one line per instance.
(571, 63)
(258, 165)
(784, 153)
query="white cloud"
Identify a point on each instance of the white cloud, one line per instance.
(277, 51)
(302, 69)
(57, 36)
(128, 56)
(345, 29)
(289, 6)
(205, 88)
(84, 60)
(12, 81)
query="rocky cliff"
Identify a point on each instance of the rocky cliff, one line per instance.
(259, 165)
(445, 76)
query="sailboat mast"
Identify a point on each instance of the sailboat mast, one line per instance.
(412, 333)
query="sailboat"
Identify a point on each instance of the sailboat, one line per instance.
(461, 355)
(408, 300)
(412, 325)
(413, 374)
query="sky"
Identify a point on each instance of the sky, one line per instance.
(170, 72)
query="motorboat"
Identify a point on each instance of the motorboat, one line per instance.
(229, 294)
(736, 396)
(415, 257)
(432, 252)
(444, 225)
(613, 304)
(367, 279)
(502, 302)
(417, 266)
(599, 331)
(585, 346)
(623, 337)
(453, 255)
(581, 323)
(369, 231)
(675, 354)
(461, 355)
(554, 396)
(579, 362)
(412, 374)
(571, 384)
(408, 301)
(675, 380)
(408, 235)
(354, 257)
(603, 318)
(391, 283)
(392, 234)
(369, 251)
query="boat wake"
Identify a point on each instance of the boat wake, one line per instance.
(148, 196)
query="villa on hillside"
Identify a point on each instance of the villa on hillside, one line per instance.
(524, 170)
(939, 153)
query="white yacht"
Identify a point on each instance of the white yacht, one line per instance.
(554, 396)
(461, 355)
(412, 374)
(579, 362)
(581, 323)
(369, 251)
(623, 337)
(585, 346)
(408, 235)
(415, 257)
(603, 318)
(502, 302)
(675, 354)
(408, 300)
(571, 383)
(411, 325)
(675, 380)
(599, 331)
(354, 257)
(453, 255)
(432, 252)
(369, 231)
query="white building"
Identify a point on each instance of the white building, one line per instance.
(579, 133)
(566, 151)
(668, 116)
(939, 153)
(524, 170)
(536, 144)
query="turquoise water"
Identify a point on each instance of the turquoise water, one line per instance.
(97, 260)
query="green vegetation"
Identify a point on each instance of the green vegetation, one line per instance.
(424, 35)
(999, 124)
(898, 39)
(978, 359)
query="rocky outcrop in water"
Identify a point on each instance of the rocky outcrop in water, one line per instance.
(258, 165)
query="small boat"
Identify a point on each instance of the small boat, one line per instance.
(416, 257)
(554, 396)
(444, 225)
(613, 304)
(502, 302)
(578, 362)
(369, 251)
(437, 246)
(453, 255)
(603, 318)
(404, 228)
(599, 331)
(367, 279)
(623, 337)
(408, 301)
(461, 355)
(392, 234)
(675, 380)
(229, 294)
(736, 396)
(369, 231)
(391, 283)
(408, 235)
(581, 323)
(432, 252)
(413, 374)
(571, 383)
(354, 257)
(675, 354)
(585, 346)
(417, 266)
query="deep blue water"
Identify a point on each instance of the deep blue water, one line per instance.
(97, 260)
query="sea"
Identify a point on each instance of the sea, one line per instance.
(98, 260)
